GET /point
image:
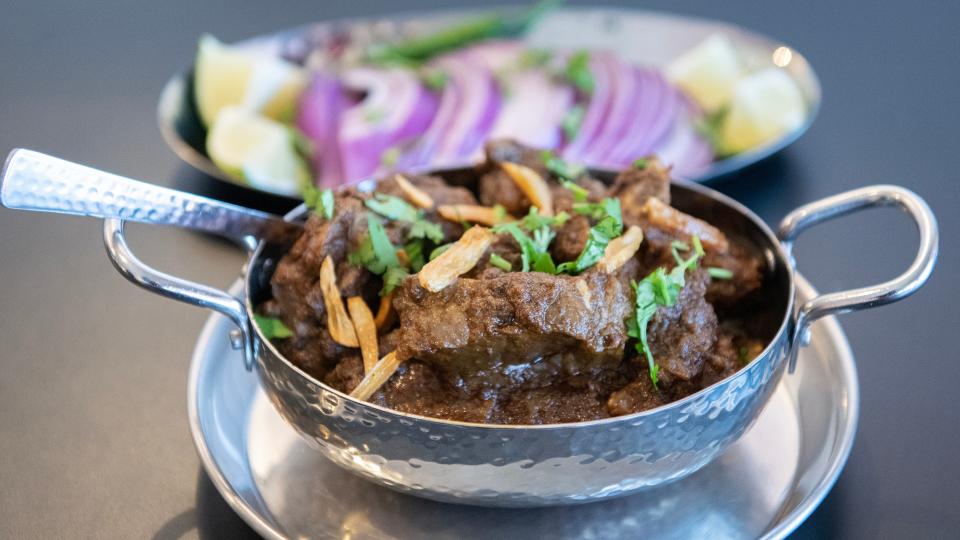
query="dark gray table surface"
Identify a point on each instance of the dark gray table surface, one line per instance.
(93, 431)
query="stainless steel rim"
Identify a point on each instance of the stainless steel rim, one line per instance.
(786, 523)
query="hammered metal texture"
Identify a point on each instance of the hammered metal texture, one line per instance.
(36, 181)
(522, 466)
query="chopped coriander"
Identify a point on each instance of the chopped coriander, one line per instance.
(533, 251)
(319, 201)
(659, 288)
(571, 122)
(499, 213)
(392, 278)
(710, 127)
(272, 327)
(597, 211)
(398, 209)
(383, 249)
(580, 194)
(534, 220)
(376, 253)
(543, 262)
(640, 163)
(414, 251)
(675, 247)
(423, 229)
(500, 262)
(374, 116)
(392, 207)
(598, 238)
(390, 157)
(719, 273)
(578, 73)
(560, 168)
(542, 238)
(531, 58)
(439, 251)
(434, 79)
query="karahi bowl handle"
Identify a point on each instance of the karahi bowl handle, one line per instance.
(180, 289)
(895, 289)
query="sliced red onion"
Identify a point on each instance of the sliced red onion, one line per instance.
(532, 110)
(603, 67)
(626, 106)
(395, 108)
(318, 118)
(656, 115)
(468, 108)
(684, 148)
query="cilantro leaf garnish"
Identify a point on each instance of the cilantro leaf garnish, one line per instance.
(571, 122)
(597, 239)
(434, 79)
(534, 220)
(392, 207)
(424, 229)
(319, 201)
(560, 168)
(392, 279)
(609, 226)
(500, 262)
(272, 327)
(709, 127)
(719, 273)
(640, 163)
(499, 213)
(390, 157)
(414, 251)
(533, 251)
(397, 209)
(598, 211)
(659, 288)
(577, 71)
(376, 253)
(580, 194)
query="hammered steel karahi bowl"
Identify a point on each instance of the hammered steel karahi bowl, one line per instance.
(491, 465)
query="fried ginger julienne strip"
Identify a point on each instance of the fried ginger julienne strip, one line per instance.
(462, 255)
(338, 322)
(621, 249)
(670, 219)
(532, 185)
(414, 194)
(384, 311)
(376, 377)
(366, 330)
(472, 213)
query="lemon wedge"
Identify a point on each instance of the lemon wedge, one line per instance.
(257, 150)
(225, 76)
(708, 72)
(765, 105)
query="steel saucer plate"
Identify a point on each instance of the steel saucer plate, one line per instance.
(765, 485)
(643, 37)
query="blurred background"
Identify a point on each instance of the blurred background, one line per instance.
(93, 428)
